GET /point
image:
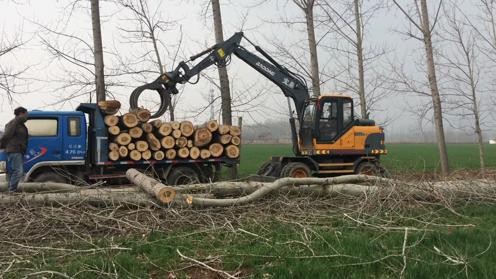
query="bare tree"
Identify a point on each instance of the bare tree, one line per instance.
(98, 50)
(307, 6)
(463, 68)
(148, 26)
(225, 91)
(8, 75)
(423, 25)
(349, 20)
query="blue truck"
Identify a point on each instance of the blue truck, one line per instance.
(72, 147)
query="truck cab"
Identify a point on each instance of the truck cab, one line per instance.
(56, 138)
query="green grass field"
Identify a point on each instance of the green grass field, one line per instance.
(290, 237)
(322, 245)
(401, 157)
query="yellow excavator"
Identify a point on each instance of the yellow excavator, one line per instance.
(328, 139)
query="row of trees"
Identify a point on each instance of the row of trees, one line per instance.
(457, 45)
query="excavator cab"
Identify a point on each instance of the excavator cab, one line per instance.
(325, 119)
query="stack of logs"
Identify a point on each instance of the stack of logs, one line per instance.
(132, 136)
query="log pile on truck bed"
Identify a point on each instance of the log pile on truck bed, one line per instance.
(132, 136)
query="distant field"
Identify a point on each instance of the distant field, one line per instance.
(400, 158)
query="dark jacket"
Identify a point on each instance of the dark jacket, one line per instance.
(15, 137)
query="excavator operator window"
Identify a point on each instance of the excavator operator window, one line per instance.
(347, 113)
(328, 122)
(309, 116)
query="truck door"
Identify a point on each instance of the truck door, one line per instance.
(45, 141)
(74, 138)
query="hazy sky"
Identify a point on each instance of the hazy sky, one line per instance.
(25, 20)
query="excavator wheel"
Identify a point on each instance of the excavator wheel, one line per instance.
(296, 170)
(368, 168)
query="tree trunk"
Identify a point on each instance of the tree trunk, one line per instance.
(475, 110)
(312, 46)
(225, 91)
(436, 99)
(98, 50)
(359, 51)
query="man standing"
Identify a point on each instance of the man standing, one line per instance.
(15, 142)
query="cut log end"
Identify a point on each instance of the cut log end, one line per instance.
(135, 155)
(113, 146)
(183, 152)
(168, 142)
(226, 139)
(109, 107)
(224, 129)
(165, 129)
(123, 152)
(141, 146)
(136, 132)
(202, 137)
(232, 151)
(158, 155)
(235, 131)
(205, 154)
(131, 146)
(212, 125)
(216, 149)
(194, 153)
(170, 154)
(111, 120)
(143, 115)
(114, 130)
(181, 142)
(186, 128)
(113, 155)
(147, 127)
(123, 139)
(236, 140)
(176, 134)
(175, 125)
(166, 195)
(130, 120)
(146, 155)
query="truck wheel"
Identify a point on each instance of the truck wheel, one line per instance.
(368, 168)
(50, 176)
(296, 170)
(183, 176)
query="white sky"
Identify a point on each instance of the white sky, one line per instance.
(24, 20)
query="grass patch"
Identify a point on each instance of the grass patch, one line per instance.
(401, 157)
(334, 247)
